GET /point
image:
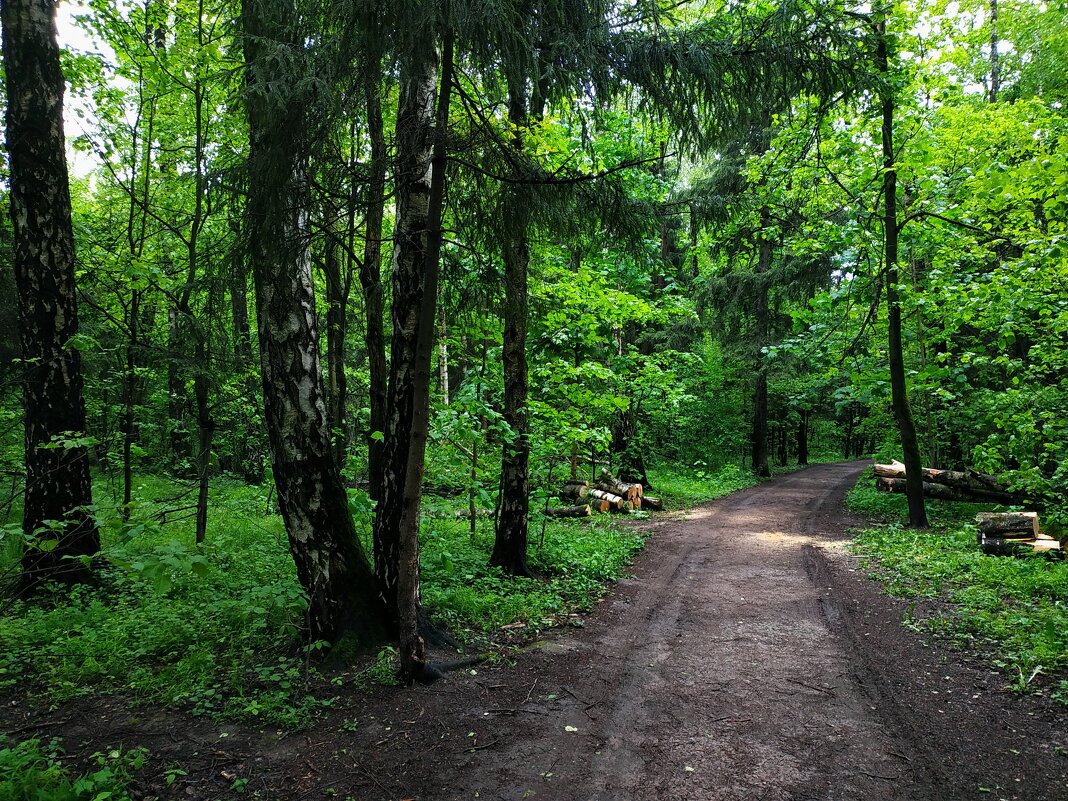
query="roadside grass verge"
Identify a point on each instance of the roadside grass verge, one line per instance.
(680, 487)
(1012, 611)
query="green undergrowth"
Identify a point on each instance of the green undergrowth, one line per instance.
(573, 560)
(211, 629)
(1012, 611)
(33, 770)
(215, 629)
(680, 487)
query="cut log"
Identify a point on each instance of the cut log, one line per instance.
(575, 491)
(599, 506)
(893, 470)
(609, 483)
(1006, 523)
(615, 501)
(998, 546)
(985, 487)
(944, 492)
(649, 502)
(1004, 546)
(478, 513)
(582, 510)
(632, 506)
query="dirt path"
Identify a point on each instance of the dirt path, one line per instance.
(746, 660)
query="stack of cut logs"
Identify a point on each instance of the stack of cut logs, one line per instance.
(606, 494)
(949, 485)
(1009, 533)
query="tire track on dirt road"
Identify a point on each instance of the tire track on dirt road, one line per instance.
(713, 674)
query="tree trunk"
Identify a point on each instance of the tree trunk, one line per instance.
(910, 445)
(1001, 523)
(205, 435)
(130, 386)
(760, 389)
(58, 485)
(416, 252)
(513, 501)
(177, 435)
(336, 334)
(331, 564)
(802, 437)
(582, 510)
(371, 283)
(995, 63)
(246, 452)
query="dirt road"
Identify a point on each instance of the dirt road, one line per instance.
(748, 659)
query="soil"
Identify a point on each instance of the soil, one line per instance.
(748, 658)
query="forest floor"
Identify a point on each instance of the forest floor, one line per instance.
(748, 658)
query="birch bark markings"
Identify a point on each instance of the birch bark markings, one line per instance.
(419, 181)
(331, 565)
(58, 486)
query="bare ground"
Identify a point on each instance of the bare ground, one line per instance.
(747, 659)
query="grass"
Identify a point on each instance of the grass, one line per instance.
(214, 629)
(33, 771)
(1013, 611)
(680, 487)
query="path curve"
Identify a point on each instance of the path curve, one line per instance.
(749, 660)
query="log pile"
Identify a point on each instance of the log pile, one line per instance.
(609, 494)
(1012, 533)
(948, 485)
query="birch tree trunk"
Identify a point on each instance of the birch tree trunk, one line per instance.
(416, 250)
(58, 486)
(331, 564)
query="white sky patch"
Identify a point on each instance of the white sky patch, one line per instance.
(79, 115)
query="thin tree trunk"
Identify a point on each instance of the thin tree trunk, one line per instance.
(626, 445)
(371, 283)
(205, 435)
(129, 391)
(802, 437)
(58, 485)
(201, 347)
(995, 64)
(331, 564)
(177, 436)
(247, 453)
(760, 387)
(336, 335)
(443, 350)
(513, 501)
(898, 386)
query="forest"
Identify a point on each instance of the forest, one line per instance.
(310, 309)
